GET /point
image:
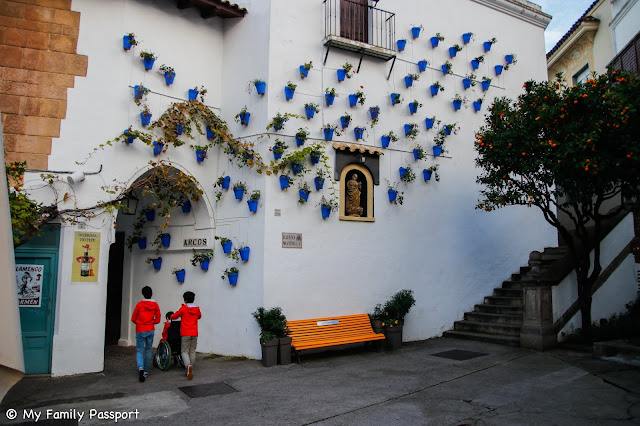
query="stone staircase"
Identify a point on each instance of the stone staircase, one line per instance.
(499, 318)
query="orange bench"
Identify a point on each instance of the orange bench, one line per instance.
(331, 331)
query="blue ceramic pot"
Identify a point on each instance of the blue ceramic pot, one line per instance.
(180, 275)
(166, 240)
(244, 253)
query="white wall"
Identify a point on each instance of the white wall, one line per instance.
(624, 26)
(617, 291)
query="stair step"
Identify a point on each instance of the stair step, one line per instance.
(493, 318)
(487, 327)
(563, 250)
(502, 301)
(512, 284)
(484, 337)
(515, 277)
(499, 309)
(507, 292)
(524, 269)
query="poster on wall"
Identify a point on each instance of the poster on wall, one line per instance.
(86, 254)
(29, 279)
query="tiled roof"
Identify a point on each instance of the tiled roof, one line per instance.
(574, 27)
(353, 147)
(211, 8)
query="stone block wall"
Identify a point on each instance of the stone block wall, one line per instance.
(38, 63)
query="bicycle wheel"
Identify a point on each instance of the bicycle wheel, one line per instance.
(163, 356)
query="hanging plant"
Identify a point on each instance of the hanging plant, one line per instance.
(243, 116)
(469, 80)
(410, 78)
(311, 109)
(330, 95)
(303, 192)
(389, 137)
(304, 69)
(411, 131)
(345, 120)
(447, 68)
(510, 59)
(413, 106)
(168, 72)
(301, 136)
(278, 149)
(435, 88)
(345, 71)
(201, 258)
(467, 37)
(453, 50)
(277, 123)
(407, 174)
(201, 152)
(289, 90)
(396, 197)
(259, 84)
(328, 205)
(139, 94)
(419, 152)
(232, 274)
(329, 130)
(148, 58)
(432, 170)
(128, 41)
(396, 98)
(252, 202)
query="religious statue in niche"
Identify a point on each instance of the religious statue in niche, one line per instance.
(352, 204)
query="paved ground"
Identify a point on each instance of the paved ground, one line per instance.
(507, 386)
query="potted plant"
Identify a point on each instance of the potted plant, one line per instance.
(319, 179)
(329, 95)
(374, 112)
(487, 44)
(296, 160)
(407, 174)
(180, 274)
(139, 92)
(486, 83)
(145, 115)
(304, 69)
(289, 90)
(402, 43)
(201, 152)
(475, 62)
(469, 80)
(260, 85)
(303, 192)
(422, 65)
(433, 169)
(498, 69)
(310, 109)
(186, 206)
(453, 50)
(510, 59)
(357, 98)
(389, 137)
(252, 202)
(345, 120)
(278, 121)
(435, 40)
(430, 121)
(202, 258)
(239, 189)
(411, 131)
(232, 274)
(415, 30)
(156, 262)
(345, 71)
(327, 205)
(316, 153)
(477, 105)
(168, 72)
(418, 152)
(358, 132)
(274, 340)
(243, 116)
(128, 41)
(244, 251)
(458, 101)
(435, 88)
(301, 136)
(410, 78)
(395, 309)
(396, 98)
(329, 130)
(413, 106)
(193, 93)
(148, 58)
(158, 147)
(226, 244)
(149, 213)
(447, 68)
(467, 37)
(278, 149)
(285, 182)
(376, 319)
(164, 238)
(396, 197)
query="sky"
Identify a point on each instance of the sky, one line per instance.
(565, 13)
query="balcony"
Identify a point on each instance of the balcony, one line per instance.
(356, 26)
(628, 58)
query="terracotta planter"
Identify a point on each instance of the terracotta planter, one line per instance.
(269, 352)
(393, 337)
(284, 350)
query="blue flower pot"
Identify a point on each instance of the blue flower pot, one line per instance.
(244, 253)
(434, 90)
(275, 155)
(150, 215)
(358, 131)
(447, 131)
(407, 129)
(422, 66)
(415, 32)
(486, 85)
(226, 247)
(426, 174)
(508, 59)
(244, 118)
(231, 149)
(253, 205)
(169, 77)
(487, 46)
(342, 74)
(186, 207)
(392, 195)
(385, 141)
(304, 195)
(296, 168)
(344, 122)
(326, 211)
(498, 69)
(126, 42)
(233, 278)
(408, 81)
(429, 123)
(303, 72)
(193, 94)
(329, 98)
(145, 119)
(353, 100)
(416, 154)
(148, 63)
(179, 129)
(437, 150)
(180, 275)
(413, 108)
(277, 126)
(319, 183)
(453, 52)
(142, 243)
(434, 41)
(374, 112)
(475, 64)
(310, 112)
(401, 45)
(477, 106)
(402, 171)
(138, 91)
(284, 181)
(204, 264)
(457, 105)
(210, 133)
(157, 148)
(129, 138)
(466, 38)
(314, 157)
(328, 134)
(299, 141)
(395, 98)
(226, 182)
(445, 69)
(466, 83)
(239, 193)
(260, 87)
(288, 93)
(157, 263)
(166, 240)
(200, 155)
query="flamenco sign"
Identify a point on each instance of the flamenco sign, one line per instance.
(86, 254)
(29, 279)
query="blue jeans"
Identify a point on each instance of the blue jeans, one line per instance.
(144, 344)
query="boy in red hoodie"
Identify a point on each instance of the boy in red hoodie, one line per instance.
(189, 314)
(145, 316)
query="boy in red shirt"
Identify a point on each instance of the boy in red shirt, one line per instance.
(145, 316)
(190, 314)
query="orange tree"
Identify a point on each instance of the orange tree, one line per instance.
(565, 149)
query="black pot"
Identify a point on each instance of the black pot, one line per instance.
(284, 350)
(393, 337)
(269, 352)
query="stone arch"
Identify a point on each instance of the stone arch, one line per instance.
(366, 200)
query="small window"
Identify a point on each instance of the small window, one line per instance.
(582, 75)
